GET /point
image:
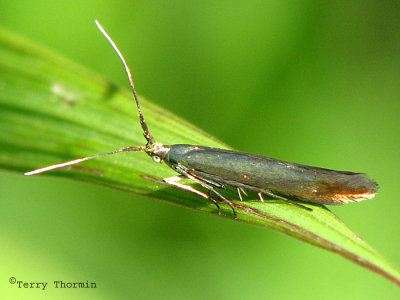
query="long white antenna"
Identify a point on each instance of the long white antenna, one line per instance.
(79, 160)
(146, 133)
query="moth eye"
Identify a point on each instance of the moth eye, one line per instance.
(156, 159)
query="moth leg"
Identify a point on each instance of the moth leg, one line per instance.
(240, 195)
(213, 201)
(206, 186)
(269, 193)
(210, 182)
(210, 188)
(261, 197)
(174, 182)
(226, 201)
(240, 190)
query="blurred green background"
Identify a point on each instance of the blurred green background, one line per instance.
(304, 81)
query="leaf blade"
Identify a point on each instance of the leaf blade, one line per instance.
(52, 110)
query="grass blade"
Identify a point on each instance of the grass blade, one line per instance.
(52, 110)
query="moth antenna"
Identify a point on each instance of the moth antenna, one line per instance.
(79, 160)
(146, 133)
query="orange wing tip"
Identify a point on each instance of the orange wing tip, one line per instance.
(344, 198)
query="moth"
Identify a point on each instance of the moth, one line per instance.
(214, 169)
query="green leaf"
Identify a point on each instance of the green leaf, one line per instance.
(52, 110)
